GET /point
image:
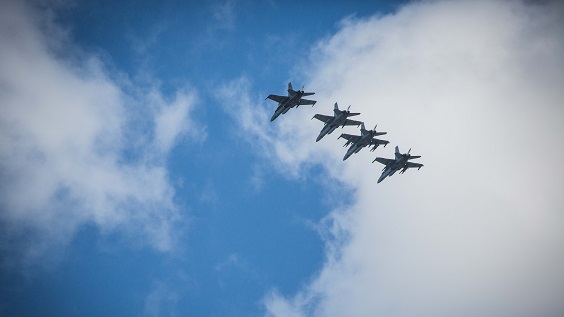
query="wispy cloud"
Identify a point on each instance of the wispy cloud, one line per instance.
(79, 146)
(173, 120)
(224, 15)
(475, 88)
(274, 141)
(161, 301)
(141, 44)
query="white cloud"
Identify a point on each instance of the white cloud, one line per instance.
(240, 105)
(78, 146)
(173, 120)
(273, 140)
(476, 89)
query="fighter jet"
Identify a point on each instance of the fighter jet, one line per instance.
(366, 138)
(339, 118)
(294, 99)
(401, 162)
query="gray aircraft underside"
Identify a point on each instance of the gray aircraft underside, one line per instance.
(339, 119)
(294, 99)
(366, 138)
(400, 162)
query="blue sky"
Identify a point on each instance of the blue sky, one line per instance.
(141, 175)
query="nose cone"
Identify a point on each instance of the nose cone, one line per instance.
(385, 174)
(319, 137)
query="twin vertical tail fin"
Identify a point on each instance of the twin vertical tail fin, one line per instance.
(291, 91)
(397, 152)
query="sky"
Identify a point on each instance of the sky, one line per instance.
(141, 175)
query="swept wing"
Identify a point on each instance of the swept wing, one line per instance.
(384, 161)
(350, 138)
(277, 98)
(323, 118)
(352, 122)
(413, 165)
(306, 102)
(375, 141)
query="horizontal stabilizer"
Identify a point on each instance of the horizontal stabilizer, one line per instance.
(353, 114)
(308, 94)
(414, 157)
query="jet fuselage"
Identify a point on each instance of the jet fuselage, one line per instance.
(327, 129)
(287, 104)
(357, 146)
(399, 164)
(339, 119)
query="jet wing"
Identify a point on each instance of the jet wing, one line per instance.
(382, 160)
(352, 122)
(413, 165)
(277, 98)
(306, 102)
(323, 118)
(349, 137)
(375, 141)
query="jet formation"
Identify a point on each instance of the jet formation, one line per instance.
(340, 118)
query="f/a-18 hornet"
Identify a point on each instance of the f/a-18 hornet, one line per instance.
(401, 162)
(366, 138)
(339, 118)
(294, 99)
